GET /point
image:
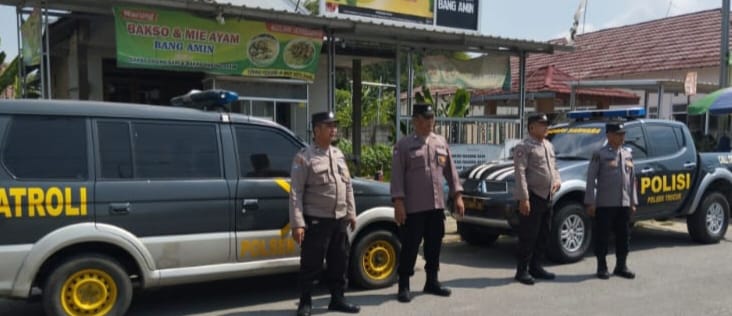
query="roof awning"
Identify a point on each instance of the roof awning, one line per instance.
(363, 30)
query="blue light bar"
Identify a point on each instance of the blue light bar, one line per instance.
(628, 113)
(205, 99)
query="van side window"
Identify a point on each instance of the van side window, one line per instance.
(174, 151)
(115, 150)
(46, 147)
(663, 139)
(264, 152)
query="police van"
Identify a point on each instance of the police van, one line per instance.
(673, 180)
(99, 198)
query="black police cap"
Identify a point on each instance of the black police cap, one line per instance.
(538, 118)
(615, 127)
(323, 117)
(422, 109)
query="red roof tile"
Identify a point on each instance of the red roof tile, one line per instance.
(552, 79)
(679, 42)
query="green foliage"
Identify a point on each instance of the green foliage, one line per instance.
(374, 158)
(313, 6)
(8, 75)
(377, 109)
(460, 104)
(425, 96)
(344, 108)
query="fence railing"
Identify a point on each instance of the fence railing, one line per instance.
(473, 130)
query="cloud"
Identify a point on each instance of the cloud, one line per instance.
(640, 11)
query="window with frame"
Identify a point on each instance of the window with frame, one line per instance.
(264, 152)
(664, 139)
(635, 141)
(175, 150)
(115, 150)
(47, 147)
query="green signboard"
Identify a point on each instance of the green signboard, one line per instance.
(171, 40)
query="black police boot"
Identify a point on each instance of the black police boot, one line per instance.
(522, 275)
(433, 286)
(602, 269)
(338, 303)
(305, 306)
(621, 269)
(404, 295)
(538, 272)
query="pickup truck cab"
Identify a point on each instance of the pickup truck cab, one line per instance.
(100, 198)
(673, 179)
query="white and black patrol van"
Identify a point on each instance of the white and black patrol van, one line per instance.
(98, 198)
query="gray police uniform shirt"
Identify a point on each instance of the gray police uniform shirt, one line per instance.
(320, 186)
(611, 179)
(417, 168)
(535, 168)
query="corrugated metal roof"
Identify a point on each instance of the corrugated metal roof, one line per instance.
(385, 32)
(280, 5)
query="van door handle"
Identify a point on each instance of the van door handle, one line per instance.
(647, 170)
(689, 165)
(249, 205)
(120, 208)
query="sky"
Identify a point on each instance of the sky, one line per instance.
(519, 19)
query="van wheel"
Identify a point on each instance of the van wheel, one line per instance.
(474, 235)
(708, 224)
(374, 260)
(89, 284)
(571, 233)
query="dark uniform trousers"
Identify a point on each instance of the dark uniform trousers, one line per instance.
(534, 231)
(429, 225)
(325, 238)
(617, 219)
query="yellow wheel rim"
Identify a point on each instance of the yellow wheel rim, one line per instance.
(89, 292)
(379, 260)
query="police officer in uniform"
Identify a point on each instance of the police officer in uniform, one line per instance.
(537, 179)
(419, 163)
(321, 208)
(612, 175)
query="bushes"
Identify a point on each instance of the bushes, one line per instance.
(373, 159)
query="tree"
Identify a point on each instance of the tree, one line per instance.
(313, 6)
(9, 73)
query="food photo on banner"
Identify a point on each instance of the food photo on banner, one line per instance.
(171, 40)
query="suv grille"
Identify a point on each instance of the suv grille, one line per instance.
(488, 186)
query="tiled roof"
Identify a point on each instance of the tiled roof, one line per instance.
(552, 79)
(680, 42)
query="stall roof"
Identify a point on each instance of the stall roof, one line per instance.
(407, 35)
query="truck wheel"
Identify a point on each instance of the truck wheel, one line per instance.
(474, 235)
(89, 284)
(708, 224)
(374, 260)
(571, 233)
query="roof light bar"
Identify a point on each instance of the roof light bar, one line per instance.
(205, 100)
(627, 113)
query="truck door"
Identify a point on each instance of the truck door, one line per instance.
(265, 156)
(665, 180)
(162, 181)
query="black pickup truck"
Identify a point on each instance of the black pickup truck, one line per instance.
(673, 179)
